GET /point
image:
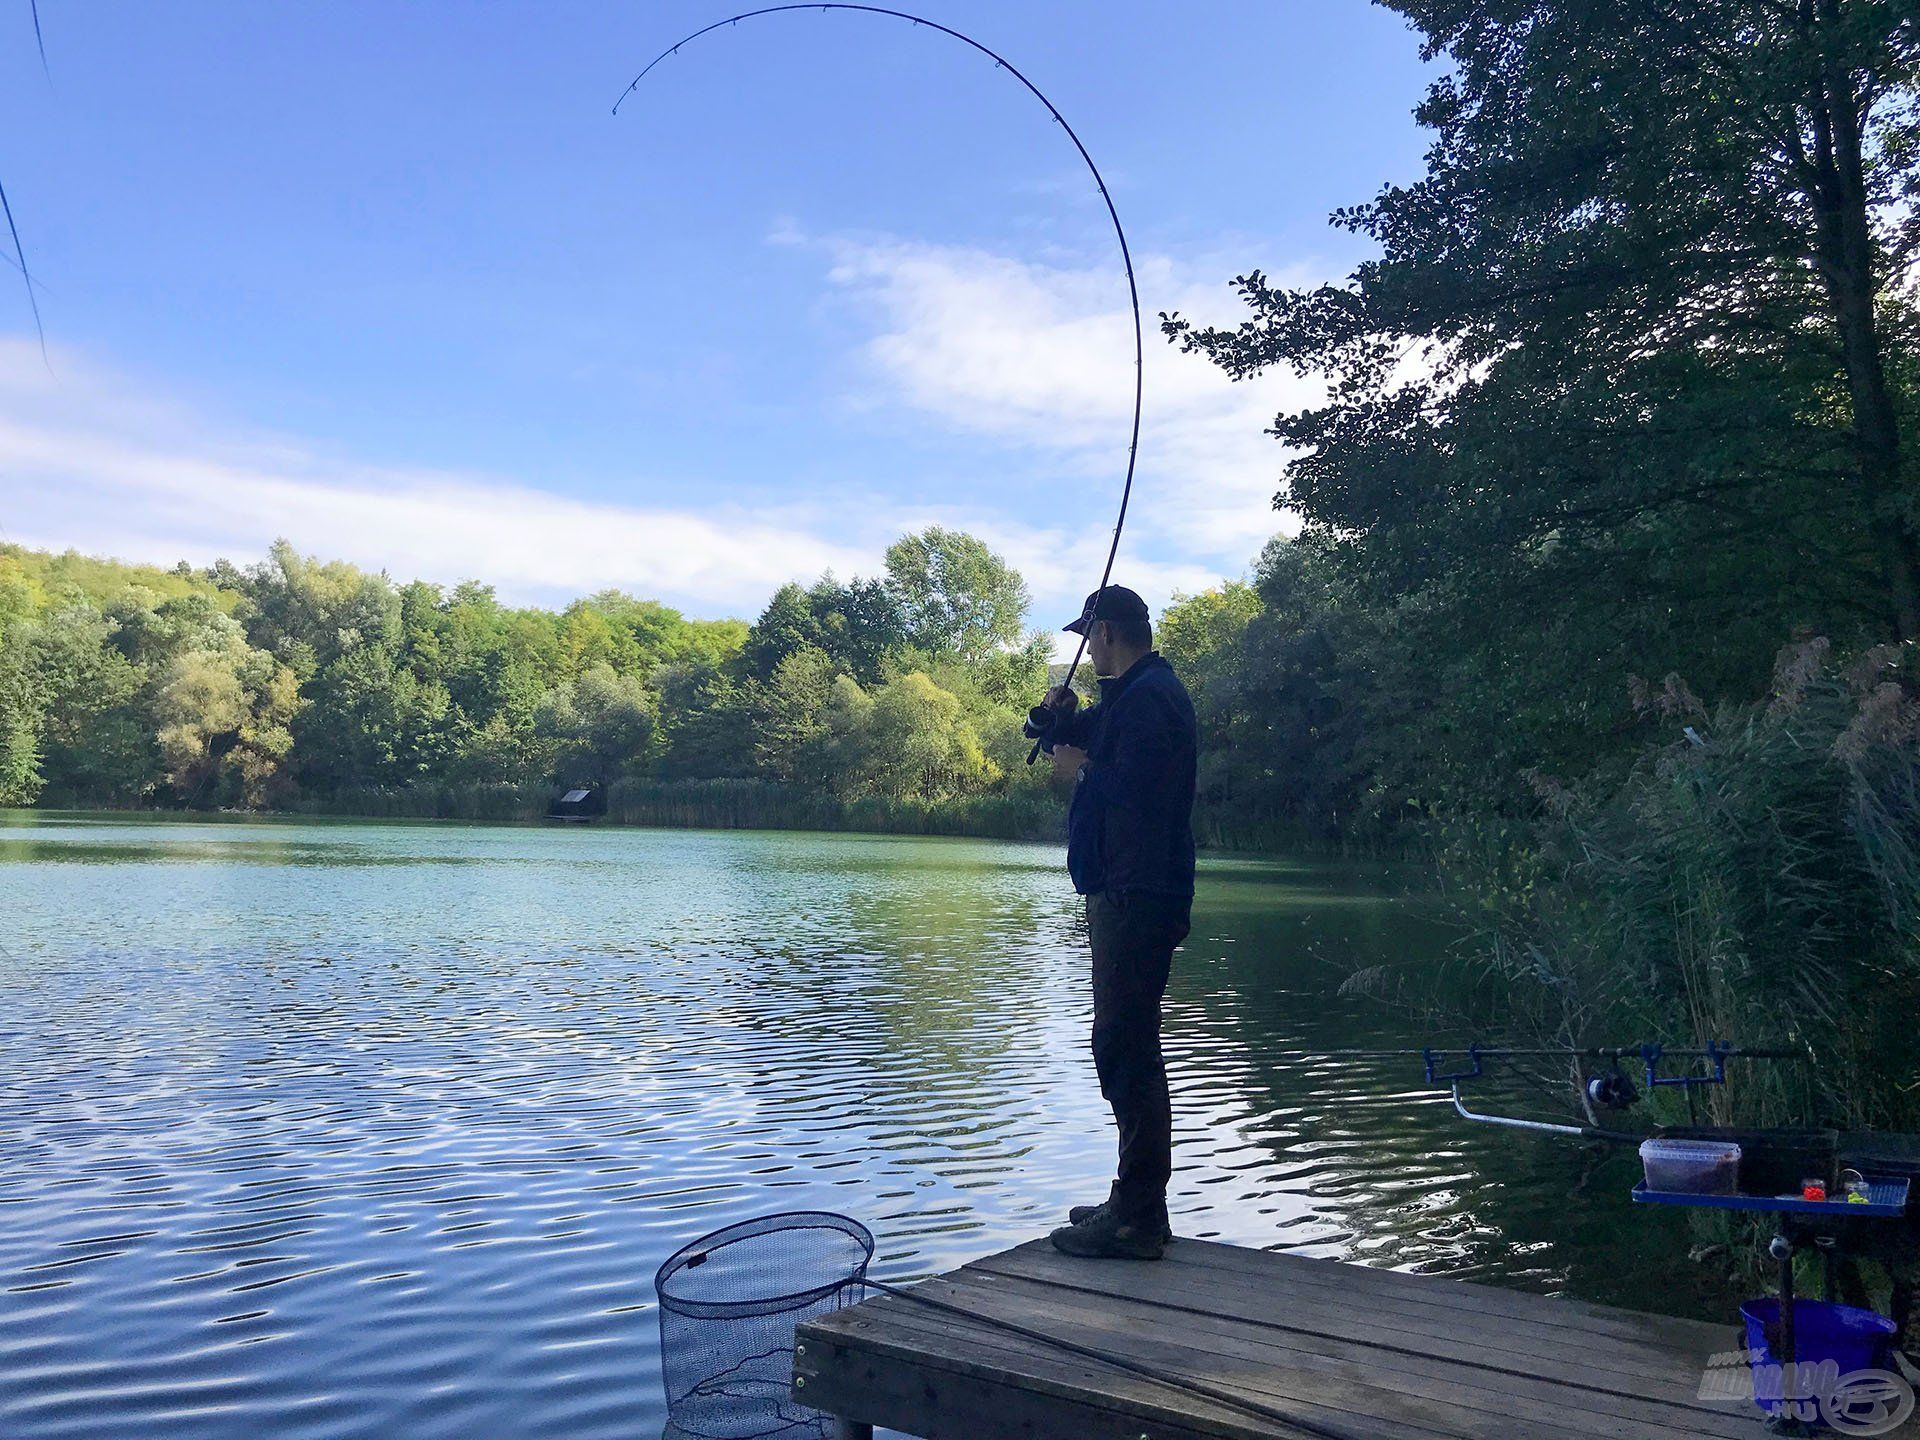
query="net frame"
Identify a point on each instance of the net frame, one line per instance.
(695, 1253)
(721, 1380)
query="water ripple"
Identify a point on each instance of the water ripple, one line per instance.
(336, 1131)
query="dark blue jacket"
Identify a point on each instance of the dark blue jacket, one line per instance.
(1130, 826)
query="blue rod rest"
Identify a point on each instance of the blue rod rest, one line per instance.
(1435, 1076)
(1717, 1053)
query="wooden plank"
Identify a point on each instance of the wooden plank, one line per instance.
(1418, 1303)
(1327, 1406)
(1287, 1366)
(929, 1393)
(1261, 1266)
(902, 1370)
(1361, 1353)
(1348, 1404)
(1299, 1294)
(1572, 1380)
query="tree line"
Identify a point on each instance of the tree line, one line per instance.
(301, 683)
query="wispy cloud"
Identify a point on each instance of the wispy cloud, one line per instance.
(93, 461)
(1041, 356)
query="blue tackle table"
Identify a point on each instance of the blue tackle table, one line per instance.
(1800, 1222)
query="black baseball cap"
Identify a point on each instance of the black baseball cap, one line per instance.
(1115, 602)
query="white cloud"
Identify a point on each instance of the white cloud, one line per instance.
(90, 461)
(1041, 356)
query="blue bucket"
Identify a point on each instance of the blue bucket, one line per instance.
(1852, 1338)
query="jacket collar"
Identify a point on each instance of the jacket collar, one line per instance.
(1110, 687)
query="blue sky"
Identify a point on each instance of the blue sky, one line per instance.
(391, 280)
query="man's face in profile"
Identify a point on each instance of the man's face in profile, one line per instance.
(1100, 648)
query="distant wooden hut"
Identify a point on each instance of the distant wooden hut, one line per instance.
(582, 802)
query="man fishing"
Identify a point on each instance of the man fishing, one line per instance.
(1130, 852)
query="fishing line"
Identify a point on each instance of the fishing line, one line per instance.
(6, 210)
(19, 250)
(1120, 234)
(39, 39)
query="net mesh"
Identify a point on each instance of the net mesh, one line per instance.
(729, 1305)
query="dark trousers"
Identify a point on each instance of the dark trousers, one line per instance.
(1134, 936)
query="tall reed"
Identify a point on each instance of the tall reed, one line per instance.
(1756, 878)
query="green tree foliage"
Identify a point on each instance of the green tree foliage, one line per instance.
(94, 735)
(371, 719)
(1292, 680)
(300, 682)
(790, 722)
(908, 739)
(1205, 638)
(707, 722)
(310, 614)
(22, 702)
(859, 626)
(956, 596)
(224, 719)
(1628, 388)
(916, 741)
(788, 624)
(602, 725)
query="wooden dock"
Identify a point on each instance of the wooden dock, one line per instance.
(1358, 1353)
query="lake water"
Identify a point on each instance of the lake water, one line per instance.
(340, 1130)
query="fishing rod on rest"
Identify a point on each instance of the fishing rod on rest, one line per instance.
(1591, 1052)
(1612, 1090)
(1042, 717)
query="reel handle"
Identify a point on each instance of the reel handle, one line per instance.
(1042, 718)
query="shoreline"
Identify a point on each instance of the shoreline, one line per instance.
(1299, 849)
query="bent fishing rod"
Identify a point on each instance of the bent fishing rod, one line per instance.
(1106, 196)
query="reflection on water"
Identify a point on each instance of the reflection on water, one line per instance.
(351, 1130)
